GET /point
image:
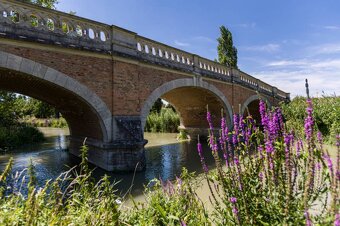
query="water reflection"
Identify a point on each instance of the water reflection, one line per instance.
(165, 158)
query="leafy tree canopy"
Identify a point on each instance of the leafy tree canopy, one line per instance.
(227, 52)
(44, 3)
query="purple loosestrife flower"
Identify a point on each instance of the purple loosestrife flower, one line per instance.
(223, 128)
(209, 120)
(299, 146)
(263, 113)
(200, 153)
(261, 176)
(337, 220)
(236, 129)
(287, 140)
(329, 163)
(309, 121)
(233, 201)
(308, 221)
(260, 149)
(183, 223)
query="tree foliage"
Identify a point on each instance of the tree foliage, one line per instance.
(44, 3)
(227, 52)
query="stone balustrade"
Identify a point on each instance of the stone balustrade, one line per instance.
(24, 21)
(164, 53)
(28, 21)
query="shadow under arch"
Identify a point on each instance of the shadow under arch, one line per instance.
(184, 83)
(86, 114)
(253, 98)
(252, 107)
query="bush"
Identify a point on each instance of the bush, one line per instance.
(165, 121)
(19, 135)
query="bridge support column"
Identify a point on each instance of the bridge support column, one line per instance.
(115, 156)
(125, 153)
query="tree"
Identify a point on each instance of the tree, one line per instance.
(157, 106)
(227, 52)
(44, 3)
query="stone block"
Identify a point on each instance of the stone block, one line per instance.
(39, 70)
(27, 66)
(13, 62)
(3, 59)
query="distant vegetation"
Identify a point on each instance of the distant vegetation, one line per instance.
(166, 121)
(19, 115)
(326, 114)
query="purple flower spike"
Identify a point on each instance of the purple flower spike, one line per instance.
(337, 220)
(308, 221)
(183, 223)
(209, 120)
(309, 121)
(200, 153)
(233, 200)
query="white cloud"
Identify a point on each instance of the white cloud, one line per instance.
(329, 48)
(271, 47)
(331, 27)
(289, 75)
(246, 25)
(204, 39)
(181, 44)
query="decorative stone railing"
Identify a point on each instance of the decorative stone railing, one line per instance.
(29, 21)
(24, 21)
(164, 53)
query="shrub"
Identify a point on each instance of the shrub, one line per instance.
(165, 121)
(19, 135)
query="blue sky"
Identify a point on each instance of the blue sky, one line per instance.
(280, 42)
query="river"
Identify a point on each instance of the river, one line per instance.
(165, 158)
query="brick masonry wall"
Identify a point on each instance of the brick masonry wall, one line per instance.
(124, 87)
(93, 72)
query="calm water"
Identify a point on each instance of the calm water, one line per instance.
(165, 158)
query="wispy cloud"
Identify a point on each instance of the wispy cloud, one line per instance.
(246, 25)
(332, 27)
(271, 47)
(329, 48)
(323, 75)
(181, 44)
(204, 39)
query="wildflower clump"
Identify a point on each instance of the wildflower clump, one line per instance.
(271, 177)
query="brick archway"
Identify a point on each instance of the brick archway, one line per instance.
(181, 84)
(252, 106)
(16, 71)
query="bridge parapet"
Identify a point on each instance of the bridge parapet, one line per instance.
(163, 54)
(34, 23)
(24, 21)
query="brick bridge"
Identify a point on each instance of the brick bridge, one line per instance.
(104, 80)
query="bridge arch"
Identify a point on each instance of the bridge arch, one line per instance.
(252, 103)
(196, 85)
(86, 114)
